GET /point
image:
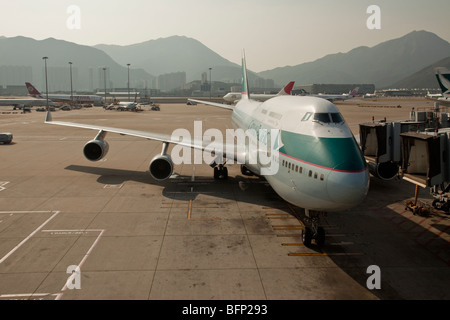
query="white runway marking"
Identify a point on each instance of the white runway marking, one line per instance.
(77, 231)
(31, 234)
(3, 184)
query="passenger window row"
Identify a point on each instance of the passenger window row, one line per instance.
(299, 169)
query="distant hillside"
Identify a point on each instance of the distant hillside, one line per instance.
(87, 64)
(174, 54)
(383, 64)
(424, 78)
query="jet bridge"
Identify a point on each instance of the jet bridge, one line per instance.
(380, 144)
(425, 162)
(424, 158)
(415, 150)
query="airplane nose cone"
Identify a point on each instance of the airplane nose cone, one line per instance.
(348, 188)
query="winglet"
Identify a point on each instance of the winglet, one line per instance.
(48, 117)
(245, 93)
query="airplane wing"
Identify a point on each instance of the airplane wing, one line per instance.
(218, 105)
(216, 148)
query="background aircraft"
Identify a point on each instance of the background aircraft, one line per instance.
(236, 96)
(338, 97)
(32, 91)
(23, 103)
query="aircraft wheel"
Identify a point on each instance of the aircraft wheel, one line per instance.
(245, 171)
(306, 236)
(220, 173)
(224, 173)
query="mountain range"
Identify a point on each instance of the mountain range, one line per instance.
(87, 64)
(383, 65)
(400, 62)
(168, 55)
(424, 78)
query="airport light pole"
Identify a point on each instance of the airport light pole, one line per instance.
(128, 81)
(71, 85)
(104, 78)
(46, 82)
(210, 83)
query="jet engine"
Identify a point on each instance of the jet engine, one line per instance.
(384, 170)
(95, 150)
(161, 167)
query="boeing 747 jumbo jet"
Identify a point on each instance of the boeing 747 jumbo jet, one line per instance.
(304, 149)
(32, 91)
(236, 96)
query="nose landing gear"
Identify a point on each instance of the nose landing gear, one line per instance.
(313, 232)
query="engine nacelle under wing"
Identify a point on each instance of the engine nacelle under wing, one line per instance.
(95, 150)
(384, 170)
(161, 167)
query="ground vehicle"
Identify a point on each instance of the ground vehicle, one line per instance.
(6, 138)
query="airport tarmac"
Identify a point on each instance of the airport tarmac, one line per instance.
(192, 237)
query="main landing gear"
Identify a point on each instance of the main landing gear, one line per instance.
(314, 231)
(220, 172)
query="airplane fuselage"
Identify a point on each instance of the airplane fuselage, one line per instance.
(320, 166)
(76, 98)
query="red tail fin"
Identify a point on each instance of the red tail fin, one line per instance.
(287, 90)
(288, 87)
(32, 90)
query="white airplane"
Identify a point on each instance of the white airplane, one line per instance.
(22, 103)
(317, 162)
(338, 97)
(433, 95)
(32, 91)
(443, 78)
(127, 106)
(236, 96)
(370, 95)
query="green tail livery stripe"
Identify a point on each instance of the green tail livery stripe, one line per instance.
(336, 154)
(244, 77)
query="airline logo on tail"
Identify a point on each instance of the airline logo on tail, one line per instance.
(354, 92)
(287, 90)
(32, 90)
(443, 78)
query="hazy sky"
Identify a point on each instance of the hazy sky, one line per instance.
(273, 32)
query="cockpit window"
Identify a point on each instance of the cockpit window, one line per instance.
(336, 117)
(307, 116)
(322, 117)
